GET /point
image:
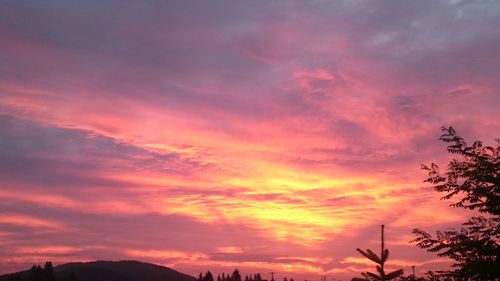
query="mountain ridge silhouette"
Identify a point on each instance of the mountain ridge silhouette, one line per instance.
(125, 270)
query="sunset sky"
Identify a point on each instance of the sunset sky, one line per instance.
(213, 135)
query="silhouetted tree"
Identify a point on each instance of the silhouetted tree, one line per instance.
(208, 276)
(236, 275)
(475, 181)
(284, 279)
(36, 273)
(48, 272)
(384, 255)
(258, 277)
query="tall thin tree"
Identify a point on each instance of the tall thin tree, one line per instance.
(380, 261)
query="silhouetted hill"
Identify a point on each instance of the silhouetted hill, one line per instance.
(110, 271)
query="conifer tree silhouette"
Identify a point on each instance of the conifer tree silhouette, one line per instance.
(208, 276)
(36, 273)
(48, 272)
(236, 275)
(380, 261)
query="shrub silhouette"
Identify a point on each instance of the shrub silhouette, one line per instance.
(475, 181)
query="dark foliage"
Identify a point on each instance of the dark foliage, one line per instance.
(236, 275)
(48, 272)
(475, 182)
(380, 261)
(208, 277)
(475, 179)
(37, 273)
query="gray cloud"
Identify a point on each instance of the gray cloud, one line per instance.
(59, 157)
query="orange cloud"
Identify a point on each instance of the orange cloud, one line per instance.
(275, 140)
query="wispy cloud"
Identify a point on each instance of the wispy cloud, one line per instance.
(265, 135)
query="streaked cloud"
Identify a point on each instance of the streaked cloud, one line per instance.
(268, 136)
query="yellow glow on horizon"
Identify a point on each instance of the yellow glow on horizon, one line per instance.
(269, 177)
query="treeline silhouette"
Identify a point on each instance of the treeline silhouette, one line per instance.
(46, 273)
(98, 271)
(37, 273)
(236, 276)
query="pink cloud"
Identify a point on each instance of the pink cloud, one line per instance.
(270, 137)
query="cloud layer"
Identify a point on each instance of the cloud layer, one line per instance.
(263, 135)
